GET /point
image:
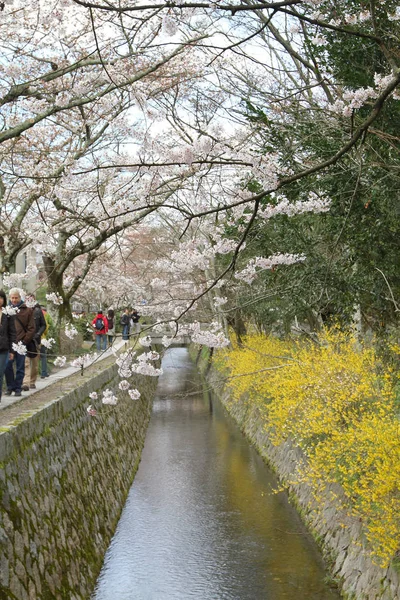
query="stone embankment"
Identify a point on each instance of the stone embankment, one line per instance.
(339, 536)
(64, 479)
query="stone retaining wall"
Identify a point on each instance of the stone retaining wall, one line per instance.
(344, 547)
(64, 479)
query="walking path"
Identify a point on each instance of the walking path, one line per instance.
(57, 376)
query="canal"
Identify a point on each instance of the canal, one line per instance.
(201, 520)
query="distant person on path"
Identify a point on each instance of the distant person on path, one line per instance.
(111, 326)
(7, 337)
(134, 318)
(32, 363)
(25, 331)
(100, 325)
(44, 371)
(125, 322)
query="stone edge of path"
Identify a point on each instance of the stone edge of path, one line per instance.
(53, 388)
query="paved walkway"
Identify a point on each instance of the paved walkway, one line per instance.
(57, 376)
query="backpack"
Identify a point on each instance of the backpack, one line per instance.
(110, 322)
(99, 324)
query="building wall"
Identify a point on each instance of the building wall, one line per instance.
(28, 256)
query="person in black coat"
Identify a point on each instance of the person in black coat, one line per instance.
(7, 337)
(134, 321)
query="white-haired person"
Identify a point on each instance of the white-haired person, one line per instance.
(25, 331)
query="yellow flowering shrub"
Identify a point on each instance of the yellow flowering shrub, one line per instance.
(334, 399)
(366, 463)
(250, 364)
(324, 389)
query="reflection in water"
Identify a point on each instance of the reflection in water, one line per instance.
(200, 520)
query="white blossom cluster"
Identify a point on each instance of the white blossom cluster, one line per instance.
(124, 362)
(166, 341)
(260, 263)
(319, 40)
(83, 361)
(55, 298)
(284, 207)
(109, 398)
(214, 338)
(70, 331)
(19, 348)
(266, 170)
(189, 257)
(145, 341)
(30, 301)
(143, 366)
(195, 254)
(12, 280)
(396, 15)
(60, 361)
(353, 99)
(11, 311)
(124, 385)
(148, 356)
(48, 342)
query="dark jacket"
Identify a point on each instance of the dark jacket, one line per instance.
(40, 322)
(135, 316)
(24, 324)
(7, 333)
(124, 320)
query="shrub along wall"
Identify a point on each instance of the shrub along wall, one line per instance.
(64, 480)
(340, 536)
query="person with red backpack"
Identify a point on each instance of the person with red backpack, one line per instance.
(100, 325)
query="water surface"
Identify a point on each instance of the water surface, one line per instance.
(201, 521)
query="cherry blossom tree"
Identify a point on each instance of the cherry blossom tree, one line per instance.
(145, 112)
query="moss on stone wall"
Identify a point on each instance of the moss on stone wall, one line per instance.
(64, 482)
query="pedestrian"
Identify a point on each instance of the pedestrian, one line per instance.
(100, 325)
(25, 331)
(134, 318)
(7, 337)
(44, 370)
(111, 326)
(125, 322)
(32, 361)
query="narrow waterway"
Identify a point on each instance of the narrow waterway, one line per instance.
(201, 520)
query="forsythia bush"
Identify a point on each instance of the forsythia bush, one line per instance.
(333, 399)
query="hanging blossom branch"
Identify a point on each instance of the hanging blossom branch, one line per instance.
(250, 272)
(357, 135)
(54, 298)
(17, 130)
